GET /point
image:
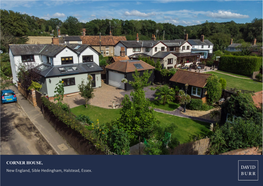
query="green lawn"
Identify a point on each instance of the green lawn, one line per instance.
(170, 107)
(186, 127)
(241, 84)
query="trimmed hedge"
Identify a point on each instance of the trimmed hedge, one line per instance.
(244, 65)
(70, 120)
(197, 104)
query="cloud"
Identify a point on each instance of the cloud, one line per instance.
(9, 4)
(138, 13)
(55, 15)
(226, 15)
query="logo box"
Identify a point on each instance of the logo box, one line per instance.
(248, 170)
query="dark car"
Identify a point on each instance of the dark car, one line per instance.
(8, 96)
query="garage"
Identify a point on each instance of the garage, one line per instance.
(115, 79)
(118, 70)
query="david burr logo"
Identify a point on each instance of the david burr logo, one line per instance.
(248, 170)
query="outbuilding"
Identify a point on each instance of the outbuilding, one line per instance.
(119, 70)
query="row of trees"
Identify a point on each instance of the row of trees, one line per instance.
(17, 25)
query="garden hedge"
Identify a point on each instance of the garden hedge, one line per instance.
(244, 65)
(70, 120)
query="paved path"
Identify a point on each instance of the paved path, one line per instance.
(58, 143)
(177, 112)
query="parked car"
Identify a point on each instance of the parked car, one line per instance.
(8, 96)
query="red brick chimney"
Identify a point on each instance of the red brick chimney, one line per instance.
(186, 37)
(122, 54)
(153, 37)
(255, 41)
(55, 41)
(137, 37)
(231, 41)
(83, 31)
(202, 38)
(58, 32)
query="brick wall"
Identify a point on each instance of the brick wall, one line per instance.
(199, 147)
(30, 95)
(248, 151)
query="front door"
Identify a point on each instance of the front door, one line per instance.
(93, 80)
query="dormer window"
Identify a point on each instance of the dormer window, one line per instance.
(28, 58)
(136, 49)
(202, 46)
(162, 49)
(155, 49)
(67, 60)
(87, 59)
(183, 48)
(147, 49)
(188, 47)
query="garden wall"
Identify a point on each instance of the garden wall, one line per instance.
(30, 95)
(248, 151)
(199, 147)
(75, 139)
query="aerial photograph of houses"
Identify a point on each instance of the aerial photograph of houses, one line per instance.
(131, 77)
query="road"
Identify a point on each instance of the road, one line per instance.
(18, 135)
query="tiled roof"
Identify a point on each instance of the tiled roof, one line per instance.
(190, 78)
(258, 98)
(119, 58)
(127, 66)
(105, 40)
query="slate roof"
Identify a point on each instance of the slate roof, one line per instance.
(134, 43)
(26, 49)
(176, 42)
(53, 71)
(190, 78)
(188, 54)
(46, 49)
(105, 40)
(127, 66)
(199, 42)
(161, 55)
(72, 38)
(137, 55)
(234, 45)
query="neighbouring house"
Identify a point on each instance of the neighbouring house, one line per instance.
(182, 48)
(167, 59)
(102, 44)
(237, 47)
(125, 69)
(201, 46)
(70, 40)
(70, 63)
(121, 57)
(196, 83)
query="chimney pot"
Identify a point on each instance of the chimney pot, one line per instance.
(255, 41)
(231, 41)
(186, 37)
(110, 33)
(122, 53)
(202, 38)
(137, 37)
(83, 31)
(58, 32)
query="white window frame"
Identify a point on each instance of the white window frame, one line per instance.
(196, 91)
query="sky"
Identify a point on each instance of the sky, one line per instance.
(177, 12)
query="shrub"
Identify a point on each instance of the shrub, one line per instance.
(244, 65)
(214, 89)
(84, 119)
(209, 63)
(223, 83)
(6, 69)
(259, 77)
(35, 85)
(206, 107)
(195, 104)
(239, 134)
